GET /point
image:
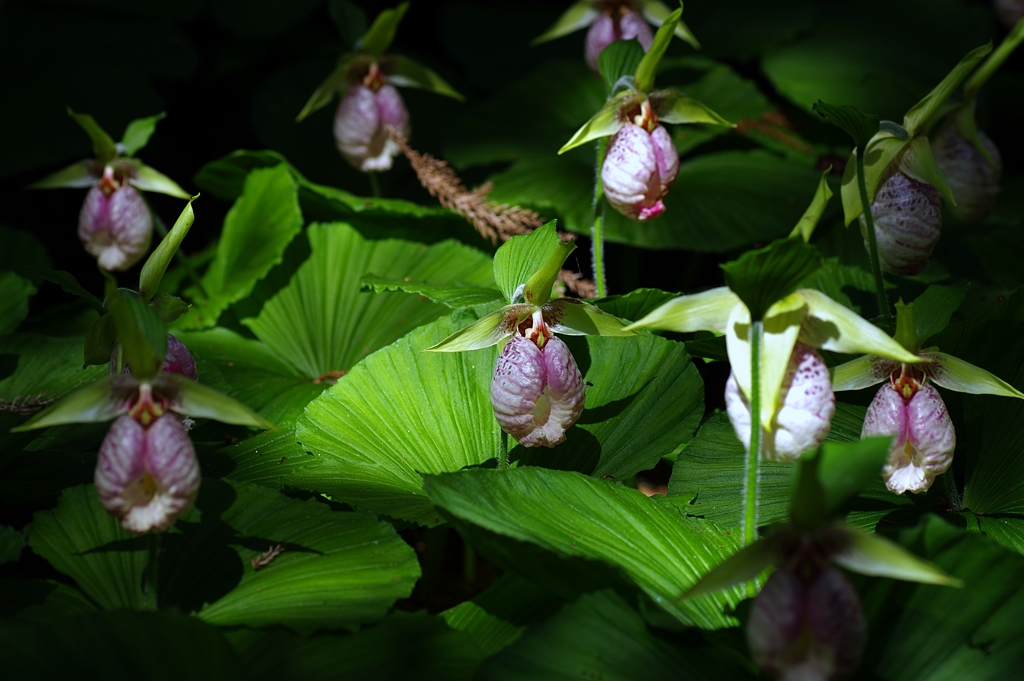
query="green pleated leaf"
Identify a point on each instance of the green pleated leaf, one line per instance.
(644, 399)
(11, 544)
(41, 371)
(935, 307)
(522, 256)
(265, 459)
(440, 654)
(322, 323)
(251, 373)
(581, 517)
(138, 132)
(857, 124)
(14, 294)
(602, 637)
(761, 278)
(118, 645)
(257, 229)
(398, 413)
(449, 295)
(619, 59)
(707, 477)
(80, 540)
(335, 570)
(931, 632)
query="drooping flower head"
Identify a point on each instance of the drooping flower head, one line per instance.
(537, 391)
(115, 224)
(973, 170)
(907, 216)
(366, 79)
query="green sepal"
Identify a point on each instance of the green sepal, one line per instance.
(863, 372)
(833, 326)
(809, 220)
(738, 568)
(92, 403)
(538, 287)
(920, 113)
(919, 163)
(657, 12)
(197, 400)
(489, 330)
(881, 151)
(160, 258)
(846, 468)
(764, 276)
(521, 257)
(167, 307)
(405, 72)
(579, 15)
(141, 332)
(103, 145)
(672, 106)
(325, 92)
(605, 122)
(100, 341)
(138, 132)
(571, 317)
(618, 60)
(382, 31)
(953, 373)
(705, 311)
(857, 124)
(74, 176)
(149, 180)
(906, 331)
(67, 281)
(648, 67)
(875, 556)
(994, 61)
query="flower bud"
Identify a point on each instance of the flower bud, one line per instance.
(178, 360)
(807, 628)
(924, 435)
(805, 413)
(360, 130)
(638, 170)
(537, 393)
(607, 29)
(908, 219)
(147, 477)
(115, 227)
(973, 180)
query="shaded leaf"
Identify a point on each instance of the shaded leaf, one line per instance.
(857, 124)
(450, 295)
(37, 371)
(619, 59)
(67, 281)
(14, 295)
(761, 278)
(11, 544)
(155, 266)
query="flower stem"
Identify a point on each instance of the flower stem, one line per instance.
(748, 523)
(876, 265)
(152, 567)
(374, 184)
(597, 233)
(503, 452)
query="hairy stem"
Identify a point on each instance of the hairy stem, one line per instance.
(876, 264)
(152, 568)
(596, 234)
(503, 451)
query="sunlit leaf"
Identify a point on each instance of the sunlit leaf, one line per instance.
(578, 516)
(522, 256)
(40, 370)
(809, 220)
(761, 277)
(700, 311)
(452, 296)
(619, 59)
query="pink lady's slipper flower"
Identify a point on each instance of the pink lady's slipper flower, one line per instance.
(973, 176)
(617, 22)
(804, 416)
(910, 409)
(640, 166)
(537, 391)
(147, 476)
(115, 224)
(908, 222)
(360, 125)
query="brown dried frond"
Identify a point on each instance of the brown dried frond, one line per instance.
(26, 404)
(574, 281)
(492, 220)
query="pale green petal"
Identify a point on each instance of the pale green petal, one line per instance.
(882, 149)
(93, 403)
(605, 122)
(805, 226)
(572, 317)
(832, 326)
(706, 311)
(956, 374)
(874, 556)
(150, 180)
(919, 163)
(195, 399)
(578, 16)
(862, 372)
(489, 330)
(781, 329)
(738, 568)
(75, 175)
